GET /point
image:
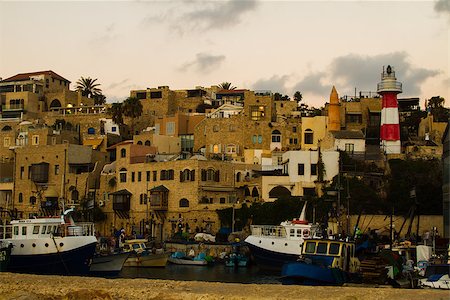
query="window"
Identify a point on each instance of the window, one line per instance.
(141, 95)
(123, 153)
(170, 128)
(36, 229)
(231, 149)
(6, 142)
(139, 143)
(132, 176)
(147, 143)
(222, 200)
(35, 140)
(310, 247)
(349, 148)
(301, 169)
(139, 176)
(294, 129)
(24, 230)
(309, 137)
(313, 169)
(334, 248)
(156, 95)
(143, 199)
(232, 128)
(260, 139)
(155, 175)
(53, 140)
(44, 228)
(113, 129)
(322, 248)
(276, 136)
(216, 149)
(22, 172)
(254, 139)
(123, 175)
(216, 128)
(257, 113)
(148, 175)
(293, 141)
(353, 118)
(184, 202)
(91, 130)
(292, 232)
(16, 230)
(32, 200)
(56, 169)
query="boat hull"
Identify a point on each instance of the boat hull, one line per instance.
(150, 260)
(181, 261)
(5, 254)
(73, 262)
(310, 274)
(271, 259)
(112, 263)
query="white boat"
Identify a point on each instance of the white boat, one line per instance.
(141, 256)
(54, 245)
(111, 263)
(273, 246)
(179, 258)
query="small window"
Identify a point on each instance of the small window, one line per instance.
(20, 197)
(16, 230)
(301, 169)
(36, 229)
(313, 169)
(310, 247)
(299, 232)
(56, 169)
(334, 248)
(123, 153)
(216, 128)
(292, 232)
(222, 200)
(184, 202)
(155, 175)
(254, 139)
(147, 174)
(44, 228)
(49, 229)
(322, 248)
(309, 137)
(132, 176)
(35, 140)
(24, 230)
(139, 176)
(91, 130)
(113, 129)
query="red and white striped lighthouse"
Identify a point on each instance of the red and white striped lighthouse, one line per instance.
(388, 88)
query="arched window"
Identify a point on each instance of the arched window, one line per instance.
(276, 136)
(91, 130)
(7, 128)
(143, 198)
(255, 192)
(184, 202)
(139, 143)
(309, 136)
(75, 195)
(123, 175)
(247, 192)
(147, 143)
(20, 197)
(254, 139)
(238, 177)
(216, 149)
(32, 200)
(55, 103)
(123, 153)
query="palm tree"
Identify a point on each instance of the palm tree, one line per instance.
(116, 113)
(226, 86)
(99, 99)
(298, 96)
(88, 87)
(132, 108)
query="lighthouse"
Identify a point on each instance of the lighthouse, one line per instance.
(388, 88)
(334, 115)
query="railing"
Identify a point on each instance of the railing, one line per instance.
(268, 230)
(389, 86)
(5, 231)
(13, 107)
(81, 229)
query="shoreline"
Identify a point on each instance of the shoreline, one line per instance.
(27, 286)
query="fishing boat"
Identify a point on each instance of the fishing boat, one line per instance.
(142, 256)
(110, 263)
(53, 245)
(272, 246)
(323, 262)
(5, 254)
(237, 260)
(179, 258)
(437, 276)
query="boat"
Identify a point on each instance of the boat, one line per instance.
(142, 256)
(237, 260)
(110, 263)
(5, 254)
(436, 277)
(179, 258)
(272, 246)
(51, 245)
(323, 262)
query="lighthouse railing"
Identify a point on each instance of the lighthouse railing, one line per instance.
(393, 86)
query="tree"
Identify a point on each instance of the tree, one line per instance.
(132, 108)
(99, 99)
(280, 97)
(226, 86)
(298, 96)
(116, 113)
(88, 87)
(436, 107)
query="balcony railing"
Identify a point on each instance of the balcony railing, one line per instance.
(389, 86)
(15, 107)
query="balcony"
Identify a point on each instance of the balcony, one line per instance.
(159, 198)
(121, 200)
(389, 86)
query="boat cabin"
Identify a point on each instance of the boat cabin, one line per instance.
(137, 245)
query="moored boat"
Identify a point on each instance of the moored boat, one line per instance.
(53, 245)
(437, 276)
(5, 254)
(273, 246)
(323, 262)
(179, 258)
(141, 256)
(111, 263)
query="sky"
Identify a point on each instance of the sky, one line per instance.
(282, 46)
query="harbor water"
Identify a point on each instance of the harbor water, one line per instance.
(212, 273)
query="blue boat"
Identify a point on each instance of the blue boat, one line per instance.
(323, 262)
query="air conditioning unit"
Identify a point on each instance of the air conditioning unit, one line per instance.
(101, 203)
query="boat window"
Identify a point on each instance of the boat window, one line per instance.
(322, 248)
(334, 248)
(292, 232)
(310, 247)
(36, 229)
(43, 229)
(299, 232)
(16, 230)
(306, 232)
(49, 229)
(136, 246)
(143, 246)
(24, 230)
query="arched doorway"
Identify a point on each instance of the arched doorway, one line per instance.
(279, 191)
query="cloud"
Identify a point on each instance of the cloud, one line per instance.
(275, 83)
(442, 6)
(363, 72)
(106, 36)
(116, 84)
(204, 63)
(312, 83)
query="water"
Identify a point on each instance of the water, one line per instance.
(214, 273)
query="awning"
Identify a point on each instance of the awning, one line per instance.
(218, 188)
(122, 192)
(93, 142)
(159, 188)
